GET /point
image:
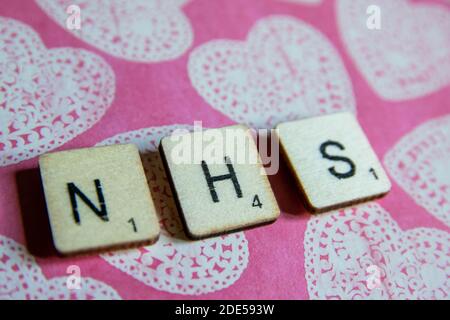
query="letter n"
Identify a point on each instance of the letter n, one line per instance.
(74, 192)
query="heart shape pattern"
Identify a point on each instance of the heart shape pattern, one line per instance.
(138, 30)
(175, 264)
(285, 70)
(22, 278)
(343, 248)
(420, 164)
(409, 57)
(47, 97)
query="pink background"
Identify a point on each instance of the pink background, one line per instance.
(157, 94)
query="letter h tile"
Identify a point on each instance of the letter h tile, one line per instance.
(227, 190)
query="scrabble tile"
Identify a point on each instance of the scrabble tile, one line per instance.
(98, 198)
(332, 160)
(221, 186)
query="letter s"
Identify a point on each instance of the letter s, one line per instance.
(352, 168)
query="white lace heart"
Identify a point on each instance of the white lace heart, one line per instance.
(420, 164)
(285, 70)
(362, 253)
(175, 264)
(409, 56)
(138, 30)
(47, 97)
(22, 278)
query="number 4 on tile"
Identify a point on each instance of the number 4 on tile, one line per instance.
(256, 202)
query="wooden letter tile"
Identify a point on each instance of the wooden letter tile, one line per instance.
(332, 161)
(221, 185)
(98, 198)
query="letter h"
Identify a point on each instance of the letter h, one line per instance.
(210, 180)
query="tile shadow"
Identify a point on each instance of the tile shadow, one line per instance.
(35, 220)
(290, 199)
